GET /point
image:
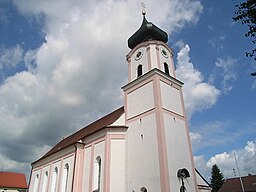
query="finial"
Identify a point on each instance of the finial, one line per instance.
(143, 8)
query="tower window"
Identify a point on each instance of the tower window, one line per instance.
(139, 70)
(166, 68)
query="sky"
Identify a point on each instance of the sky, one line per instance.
(63, 63)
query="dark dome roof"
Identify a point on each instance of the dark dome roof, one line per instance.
(147, 31)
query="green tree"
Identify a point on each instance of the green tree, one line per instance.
(217, 178)
(246, 13)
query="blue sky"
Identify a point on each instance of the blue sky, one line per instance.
(49, 52)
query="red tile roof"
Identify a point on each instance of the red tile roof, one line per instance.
(86, 131)
(13, 180)
(234, 185)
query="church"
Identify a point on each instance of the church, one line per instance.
(143, 146)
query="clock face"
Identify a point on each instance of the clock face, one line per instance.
(164, 53)
(138, 54)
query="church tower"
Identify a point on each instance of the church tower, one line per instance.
(158, 148)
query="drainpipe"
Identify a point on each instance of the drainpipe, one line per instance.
(30, 178)
(74, 169)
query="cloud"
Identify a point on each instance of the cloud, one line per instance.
(11, 164)
(10, 57)
(75, 76)
(200, 165)
(195, 139)
(246, 159)
(198, 95)
(226, 69)
(228, 133)
(209, 131)
(216, 42)
(4, 19)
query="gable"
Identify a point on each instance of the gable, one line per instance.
(201, 180)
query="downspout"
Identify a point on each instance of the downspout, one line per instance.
(30, 178)
(74, 170)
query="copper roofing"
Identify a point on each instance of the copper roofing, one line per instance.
(86, 131)
(13, 180)
(234, 185)
(147, 31)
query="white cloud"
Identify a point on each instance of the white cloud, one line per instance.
(198, 95)
(195, 139)
(226, 67)
(179, 44)
(216, 42)
(4, 19)
(76, 74)
(10, 57)
(7, 164)
(195, 136)
(228, 133)
(30, 60)
(200, 165)
(246, 159)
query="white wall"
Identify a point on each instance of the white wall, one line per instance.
(54, 165)
(151, 58)
(117, 165)
(140, 100)
(142, 61)
(49, 165)
(45, 178)
(70, 162)
(87, 164)
(99, 150)
(35, 181)
(142, 155)
(203, 186)
(178, 152)
(168, 60)
(171, 98)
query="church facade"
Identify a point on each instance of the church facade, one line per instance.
(142, 146)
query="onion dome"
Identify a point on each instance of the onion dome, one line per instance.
(147, 31)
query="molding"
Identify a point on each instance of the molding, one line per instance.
(102, 133)
(61, 154)
(147, 43)
(149, 74)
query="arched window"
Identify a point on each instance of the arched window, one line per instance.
(97, 174)
(166, 69)
(65, 178)
(45, 181)
(139, 70)
(143, 189)
(54, 180)
(36, 181)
